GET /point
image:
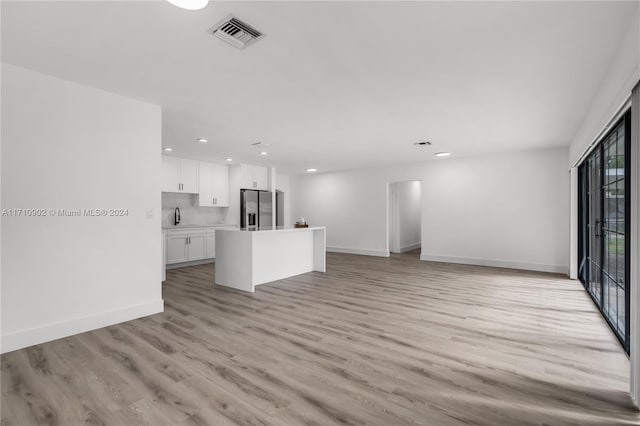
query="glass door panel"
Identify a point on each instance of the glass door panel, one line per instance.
(613, 227)
(603, 203)
(594, 221)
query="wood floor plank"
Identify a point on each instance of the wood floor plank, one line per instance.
(376, 341)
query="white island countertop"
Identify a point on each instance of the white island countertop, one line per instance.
(210, 225)
(247, 258)
(279, 228)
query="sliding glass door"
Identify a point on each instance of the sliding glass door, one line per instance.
(603, 212)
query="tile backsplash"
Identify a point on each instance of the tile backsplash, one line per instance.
(190, 212)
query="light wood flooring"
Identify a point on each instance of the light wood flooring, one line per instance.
(379, 341)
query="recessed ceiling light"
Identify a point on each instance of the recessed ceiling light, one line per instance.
(203, 140)
(228, 159)
(168, 149)
(443, 154)
(312, 170)
(263, 153)
(189, 4)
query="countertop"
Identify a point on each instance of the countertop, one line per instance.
(279, 228)
(203, 225)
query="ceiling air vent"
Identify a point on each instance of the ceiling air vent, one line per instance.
(235, 32)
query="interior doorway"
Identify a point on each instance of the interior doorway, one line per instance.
(405, 217)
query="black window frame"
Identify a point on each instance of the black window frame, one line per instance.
(584, 272)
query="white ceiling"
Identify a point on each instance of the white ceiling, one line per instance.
(335, 85)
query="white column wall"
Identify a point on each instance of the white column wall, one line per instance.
(573, 232)
(68, 146)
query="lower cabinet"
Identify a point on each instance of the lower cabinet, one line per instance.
(176, 249)
(196, 248)
(185, 246)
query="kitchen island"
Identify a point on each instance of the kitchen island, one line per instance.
(246, 258)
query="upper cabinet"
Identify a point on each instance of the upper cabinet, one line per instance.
(254, 177)
(179, 175)
(214, 185)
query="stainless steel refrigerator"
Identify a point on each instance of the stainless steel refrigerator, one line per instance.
(256, 209)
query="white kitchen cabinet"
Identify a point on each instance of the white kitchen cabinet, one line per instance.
(185, 245)
(197, 249)
(170, 174)
(176, 249)
(189, 175)
(221, 185)
(189, 244)
(254, 177)
(214, 185)
(179, 175)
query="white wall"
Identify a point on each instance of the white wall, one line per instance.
(406, 216)
(351, 204)
(616, 86)
(508, 209)
(283, 183)
(67, 146)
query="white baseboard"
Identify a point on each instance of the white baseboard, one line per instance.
(560, 269)
(33, 336)
(358, 251)
(410, 247)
